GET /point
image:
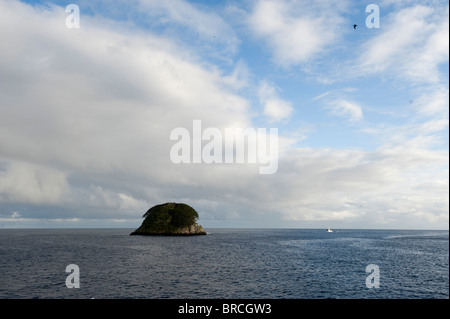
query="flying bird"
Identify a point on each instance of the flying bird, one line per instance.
(354, 26)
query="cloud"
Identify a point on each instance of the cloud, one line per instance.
(418, 44)
(296, 31)
(386, 184)
(96, 104)
(320, 96)
(275, 108)
(202, 24)
(433, 101)
(338, 104)
(15, 215)
(32, 184)
(86, 116)
(350, 110)
(100, 97)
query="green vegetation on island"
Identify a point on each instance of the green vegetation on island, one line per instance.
(170, 219)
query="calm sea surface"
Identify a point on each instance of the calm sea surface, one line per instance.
(227, 263)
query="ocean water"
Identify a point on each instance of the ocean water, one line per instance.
(225, 264)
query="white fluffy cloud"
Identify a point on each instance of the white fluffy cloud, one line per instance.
(380, 186)
(412, 43)
(93, 101)
(275, 108)
(32, 184)
(296, 31)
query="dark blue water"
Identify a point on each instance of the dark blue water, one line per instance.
(227, 263)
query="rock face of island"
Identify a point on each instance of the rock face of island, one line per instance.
(170, 219)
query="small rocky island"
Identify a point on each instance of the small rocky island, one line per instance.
(170, 219)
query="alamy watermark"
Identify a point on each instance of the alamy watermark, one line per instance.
(373, 19)
(373, 279)
(73, 19)
(234, 145)
(73, 280)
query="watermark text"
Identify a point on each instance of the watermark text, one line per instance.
(73, 19)
(73, 280)
(373, 279)
(234, 145)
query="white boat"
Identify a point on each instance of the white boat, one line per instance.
(329, 230)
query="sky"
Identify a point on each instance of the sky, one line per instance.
(361, 114)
